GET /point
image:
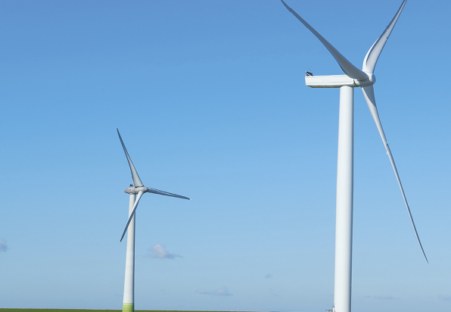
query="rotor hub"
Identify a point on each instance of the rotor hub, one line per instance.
(135, 190)
(368, 82)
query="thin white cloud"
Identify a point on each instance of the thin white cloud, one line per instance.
(273, 292)
(385, 297)
(158, 251)
(3, 245)
(445, 298)
(223, 291)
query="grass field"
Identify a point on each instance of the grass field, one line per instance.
(89, 310)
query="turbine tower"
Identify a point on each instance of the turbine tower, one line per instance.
(344, 199)
(136, 190)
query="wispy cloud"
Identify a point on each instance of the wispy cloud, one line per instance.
(269, 275)
(3, 245)
(158, 251)
(273, 292)
(384, 297)
(223, 291)
(445, 298)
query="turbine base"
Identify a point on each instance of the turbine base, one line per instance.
(128, 307)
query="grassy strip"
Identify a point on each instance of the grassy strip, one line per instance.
(86, 310)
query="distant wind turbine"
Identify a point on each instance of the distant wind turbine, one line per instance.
(354, 78)
(136, 189)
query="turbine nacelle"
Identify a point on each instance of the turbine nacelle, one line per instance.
(338, 81)
(136, 190)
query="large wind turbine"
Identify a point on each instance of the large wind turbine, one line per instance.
(137, 188)
(354, 78)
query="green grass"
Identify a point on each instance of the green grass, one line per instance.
(86, 310)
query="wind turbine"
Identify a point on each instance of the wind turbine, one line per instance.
(354, 78)
(137, 188)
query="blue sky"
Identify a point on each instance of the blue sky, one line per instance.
(210, 99)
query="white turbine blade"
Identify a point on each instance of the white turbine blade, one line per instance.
(132, 214)
(135, 176)
(155, 191)
(347, 67)
(368, 92)
(369, 63)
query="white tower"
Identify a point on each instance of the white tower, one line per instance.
(136, 190)
(129, 283)
(344, 203)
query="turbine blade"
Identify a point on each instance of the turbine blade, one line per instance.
(368, 92)
(155, 191)
(347, 67)
(369, 63)
(132, 214)
(135, 176)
